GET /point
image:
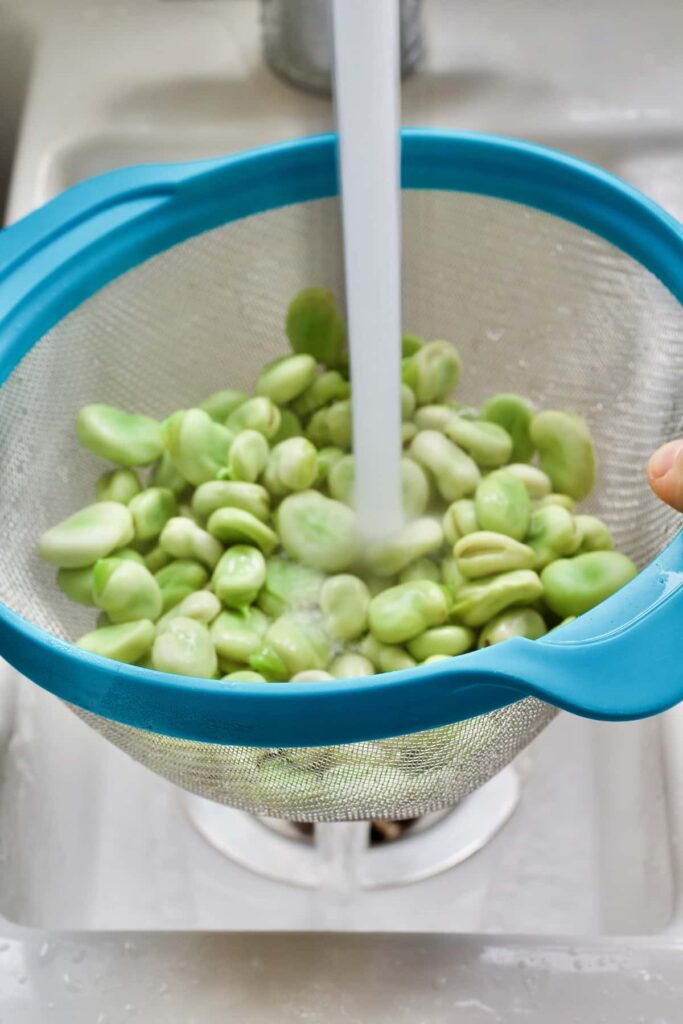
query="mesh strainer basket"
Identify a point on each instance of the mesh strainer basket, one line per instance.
(153, 286)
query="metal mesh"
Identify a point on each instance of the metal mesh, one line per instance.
(534, 305)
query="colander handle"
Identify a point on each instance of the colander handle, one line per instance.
(622, 660)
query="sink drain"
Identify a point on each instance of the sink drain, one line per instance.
(358, 854)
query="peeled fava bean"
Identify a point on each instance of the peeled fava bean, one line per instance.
(151, 509)
(289, 586)
(121, 437)
(406, 610)
(238, 635)
(526, 622)
(417, 539)
(202, 605)
(291, 466)
(503, 505)
(318, 531)
(239, 575)
(118, 485)
(93, 532)
(292, 644)
(328, 387)
(217, 494)
(485, 553)
(125, 590)
(183, 538)
(128, 642)
(221, 403)
(489, 444)
(314, 326)
(421, 569)
(198, 446)
(351, 666)
(476, 603)
(185, 647)
(575, 585)
(434, 417)
(566, 452)
(447, 641)
(385, 657)
(247, 457)
(414, 484)
(258, 414)
(311, 675)
(514, 415)
(552, 534)
(178, 579)
(592, 535)
(344, 601)
(455, 474)
(235, 526)
(77, 584)
(285, 379)
(459, 519)
(436, 371)
(537, 483)
(165, 474)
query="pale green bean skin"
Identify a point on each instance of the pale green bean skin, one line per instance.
(477, 602)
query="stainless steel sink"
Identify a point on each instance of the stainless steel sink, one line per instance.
(92, 843)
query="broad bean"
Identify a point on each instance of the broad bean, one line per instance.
(286, 378)
(485, 554)
(318, 531)
(575, 585)
(566, 452)
(455, 474)
(503, 505)
(476, 603)
(125, 590)
(118, 485)
(406, 610)
(93, 532)
(128, 642)
(121, 437)
(185, 647)
(526, 622)
(344, 601)
(239, 575)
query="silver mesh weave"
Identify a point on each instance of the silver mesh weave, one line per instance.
(534, 305)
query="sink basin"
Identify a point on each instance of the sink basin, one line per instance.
(92, 843)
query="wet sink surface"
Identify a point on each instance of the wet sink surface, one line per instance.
(91, 842)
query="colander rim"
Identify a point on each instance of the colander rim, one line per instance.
(121, 218)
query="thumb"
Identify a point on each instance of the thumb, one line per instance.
(665, 473)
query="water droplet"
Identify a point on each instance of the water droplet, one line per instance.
(44, 951)
(71, 983)
(495, 333)
(102, 1018)
(79, 956)
(129, 946)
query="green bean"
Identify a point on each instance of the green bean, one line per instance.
(476, 603)
(526, 622)
(121, 437)
(328, 387)
(247, 457)
(485, 554)
(537, 483)
(566, 452)
(513, 414)
(503, 505)
(575, 585)
(125, 590)
(459, 519)
(420, 569)
(552, 533)
(455, 474)
(293, 643)
(288, 586)
(239, 576)
(151, 509)
(182, 538)
(93, 532)
(221, 403)
(185, 647)
(179, 579)
(415, 540)
(318, 531)
(385, 657)
(235, 526)
(448, 641)
(488, 444)
(344, 601)
(118, 485)
(197, 445)
(406, 610)
(129, 642)
(592, 535)
(292, 466)
(215, 494)
(202, 605)
(238, 635)
(314, 326)
(351, 666)
(286, 378)
(258, 414)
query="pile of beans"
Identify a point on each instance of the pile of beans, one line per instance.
(236, 554)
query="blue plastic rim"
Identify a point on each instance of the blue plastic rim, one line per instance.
(619, 661)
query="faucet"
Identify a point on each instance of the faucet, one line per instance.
(297, 40)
